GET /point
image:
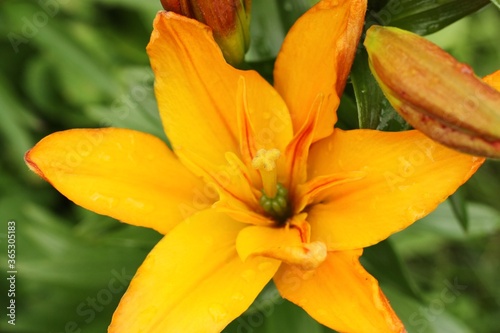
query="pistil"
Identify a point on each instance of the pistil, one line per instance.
(274, 199)
(265, 162)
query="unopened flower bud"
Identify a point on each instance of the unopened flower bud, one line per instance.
(229, 20)
(435, 93)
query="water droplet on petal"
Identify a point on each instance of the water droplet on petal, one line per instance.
(109, 201)
(308, 274)
(302, 301)
(265, 266)
(134, 204)
(237, 296)
(248, 275)
(415, 214)
(218, 312)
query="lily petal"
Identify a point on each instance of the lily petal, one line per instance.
(193, 280)
(337, 292)
(297, 151)
(264, 123)
(194, 83)
(285, 244)
(189, 91)
(493, 80)
(125, 174)
(406, 176)
(268, 114)
(316, 58)
(310, 192)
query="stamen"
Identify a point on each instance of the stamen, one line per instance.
(265, 162)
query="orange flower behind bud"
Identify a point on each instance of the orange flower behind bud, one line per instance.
(493, 80)
(434, 92)
(229, 20)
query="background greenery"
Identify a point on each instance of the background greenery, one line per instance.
(68, 64)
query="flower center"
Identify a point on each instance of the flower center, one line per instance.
(274, 199)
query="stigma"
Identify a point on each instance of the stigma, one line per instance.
(265, 162)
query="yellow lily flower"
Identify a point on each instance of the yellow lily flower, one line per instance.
(259, 184)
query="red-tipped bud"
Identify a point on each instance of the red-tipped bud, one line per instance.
(229, 20)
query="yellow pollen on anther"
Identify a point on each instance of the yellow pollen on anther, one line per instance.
(265, 162)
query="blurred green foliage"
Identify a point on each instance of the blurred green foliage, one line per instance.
(67, 64)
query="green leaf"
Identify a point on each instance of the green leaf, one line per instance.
(484, 185)
(290, 11)
(368, 94)
(347, 111)
(270, 314)
(374, 110)
(423, 16)
(376, 4)
(147, 7)
(471, 36)
(459, 208)
(496, 3)
(385, 264)
(15, 121)
(434, 231)
(267, 31)
(134, 107)
(429, 316)
(82, 79)
(68, 272)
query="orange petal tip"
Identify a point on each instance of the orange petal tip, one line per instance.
(33, 166)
